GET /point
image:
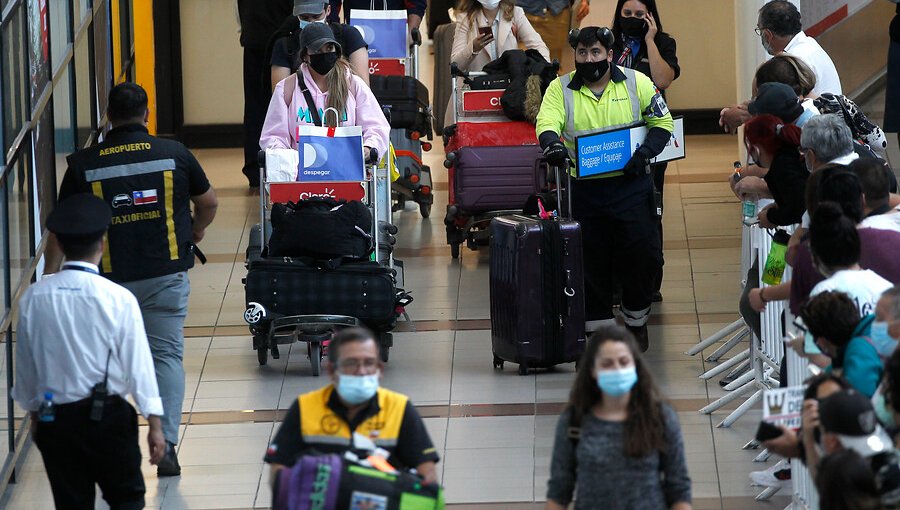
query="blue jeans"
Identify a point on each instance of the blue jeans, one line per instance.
(164, 303)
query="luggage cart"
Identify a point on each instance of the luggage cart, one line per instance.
(270, 328)
(415, 182)
(477, 108)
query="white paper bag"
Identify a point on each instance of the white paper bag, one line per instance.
(281, 165)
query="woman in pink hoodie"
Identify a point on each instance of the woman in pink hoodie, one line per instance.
(331, 84)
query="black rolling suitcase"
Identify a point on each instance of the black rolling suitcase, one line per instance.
(537, 290)
(407, 100)
(443, 87)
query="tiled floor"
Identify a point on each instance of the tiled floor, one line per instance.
(492, 428)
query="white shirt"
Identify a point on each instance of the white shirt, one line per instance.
(807, 49)
(69, 325)
(887, 221)
(864, 287)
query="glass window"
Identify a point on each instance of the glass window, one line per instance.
(81, 11)
(19, 198)
(14, 78)
(38, 47)
(83, 105)
(44, 168)
(59, 32)
(63, 120)
(102, 57)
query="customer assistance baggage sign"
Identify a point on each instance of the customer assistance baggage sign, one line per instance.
(609, 151)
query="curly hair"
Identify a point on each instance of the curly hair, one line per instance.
(644, 427)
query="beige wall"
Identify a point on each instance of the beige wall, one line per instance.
(858, 45)
(212, 63)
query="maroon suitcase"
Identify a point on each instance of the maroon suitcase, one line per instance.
(537, 291)
(496, 178)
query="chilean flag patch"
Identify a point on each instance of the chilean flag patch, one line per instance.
(148, 196)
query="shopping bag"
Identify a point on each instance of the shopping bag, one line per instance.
(383, 31)
(330, 154)
(281, 165)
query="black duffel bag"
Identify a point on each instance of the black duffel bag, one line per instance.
(321, 228)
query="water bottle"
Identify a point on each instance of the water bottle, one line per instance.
(749, 202)
(775, 263)
(47, 413)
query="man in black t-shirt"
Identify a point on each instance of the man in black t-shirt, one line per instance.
(354, 410)
(149, 184)
(259, 19)
(285, 59)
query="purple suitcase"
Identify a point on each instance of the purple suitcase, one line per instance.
(497, 178)
(537, 291)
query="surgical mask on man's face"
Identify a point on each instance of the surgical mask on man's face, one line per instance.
(304, 23)
(356, 389)
(881, 338)
(765, 44)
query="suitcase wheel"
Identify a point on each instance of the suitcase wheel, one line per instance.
(498, 363)
(262, 350)
(523, 369)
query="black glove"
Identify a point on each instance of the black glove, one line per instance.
(556, 153)
(371, 156)
(637, 165)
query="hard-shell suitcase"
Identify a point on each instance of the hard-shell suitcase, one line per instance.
(284, 287)
(485, 134)
(536, 291)
(496, 178)
(443, 87)
(407, 100)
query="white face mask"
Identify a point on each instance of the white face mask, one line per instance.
(489, 4)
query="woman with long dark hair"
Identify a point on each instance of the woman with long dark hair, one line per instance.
(331, 86)
(618, 444)
(846, 482)
(641, 44)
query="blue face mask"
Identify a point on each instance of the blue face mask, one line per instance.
(616, 383)
(356, 389)
(881, 339)
(809, 344)
(304, 23)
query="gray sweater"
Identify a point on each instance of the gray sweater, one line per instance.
(609, 479)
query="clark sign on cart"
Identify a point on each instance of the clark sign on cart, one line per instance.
(330, 154)
(383, 31)
(609, 151)
(783, 406)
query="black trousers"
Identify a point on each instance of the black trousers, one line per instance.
(659, 179)
(621, 244)
(256, 103)
(79, 453)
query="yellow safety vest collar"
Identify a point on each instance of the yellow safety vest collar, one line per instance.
(323, 418)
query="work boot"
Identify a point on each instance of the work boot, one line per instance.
(640, 334)
(169, 466)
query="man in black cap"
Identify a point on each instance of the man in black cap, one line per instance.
(81, 347)
(149, 184)
(781, 101)
(849, 422)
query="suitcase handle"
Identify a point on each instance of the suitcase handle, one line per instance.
(568, 188)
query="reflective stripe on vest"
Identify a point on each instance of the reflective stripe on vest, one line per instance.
(320, 425)
(144, 167)
(569, 101)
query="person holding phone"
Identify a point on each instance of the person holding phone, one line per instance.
(641, 44)
(487, 28)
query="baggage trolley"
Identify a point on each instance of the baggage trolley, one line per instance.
(415, 181)
(479, 108)
(272, 327)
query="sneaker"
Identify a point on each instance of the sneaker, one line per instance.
(169, 466)
(778, 476)
(641, 335)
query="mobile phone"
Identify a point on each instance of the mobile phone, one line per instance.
(486, 31)
(767, 431)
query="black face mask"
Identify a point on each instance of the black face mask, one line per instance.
(323, 62)
(634, 27)
(591, 71)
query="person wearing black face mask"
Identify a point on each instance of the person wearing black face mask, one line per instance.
(616, 210)
(640, 44)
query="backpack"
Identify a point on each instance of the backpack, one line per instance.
(321, 228)
(329, 482)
